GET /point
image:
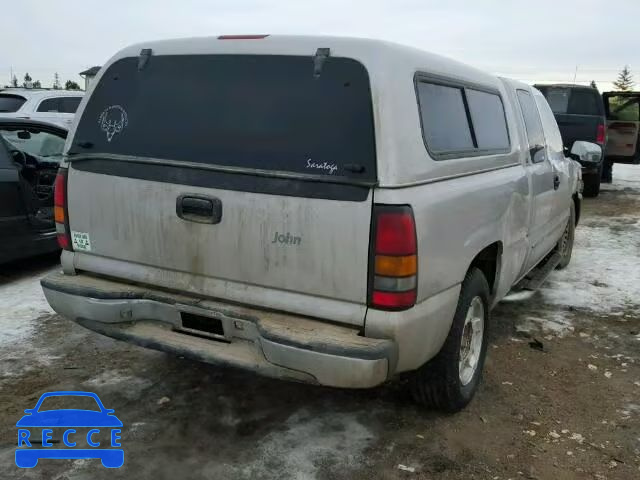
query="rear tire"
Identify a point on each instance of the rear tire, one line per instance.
(565, 244)
(591, 185)
(449, 381)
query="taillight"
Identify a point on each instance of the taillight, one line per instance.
(395, 261)
(601, 135)
(60, 209)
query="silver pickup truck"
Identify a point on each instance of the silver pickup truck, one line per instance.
(326, 210)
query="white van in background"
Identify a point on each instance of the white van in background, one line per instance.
(53, 106)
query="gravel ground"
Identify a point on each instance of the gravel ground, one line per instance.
(560, 397)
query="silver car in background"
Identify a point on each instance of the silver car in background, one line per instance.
(46, 105)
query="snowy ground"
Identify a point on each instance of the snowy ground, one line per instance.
(570, 411)
(21, 305)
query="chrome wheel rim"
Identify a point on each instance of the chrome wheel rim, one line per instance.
(471, 344)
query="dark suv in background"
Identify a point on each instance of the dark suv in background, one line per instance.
(580, 114)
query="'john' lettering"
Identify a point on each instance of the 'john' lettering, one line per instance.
(286, 239)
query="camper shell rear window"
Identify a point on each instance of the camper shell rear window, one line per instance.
(256, 112)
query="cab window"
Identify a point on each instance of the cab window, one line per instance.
(532, 122)
(549, 125)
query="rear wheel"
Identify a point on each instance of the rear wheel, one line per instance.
(565, 244)
(449, 381)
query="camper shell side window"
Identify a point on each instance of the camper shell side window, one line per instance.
(460, 119)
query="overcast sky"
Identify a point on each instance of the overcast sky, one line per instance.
(542, 40)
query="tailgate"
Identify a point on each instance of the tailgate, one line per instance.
(254, 174)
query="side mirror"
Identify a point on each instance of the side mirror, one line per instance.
(537, 153)
(29, 410)
(586, 152)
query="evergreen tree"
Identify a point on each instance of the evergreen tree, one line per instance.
(71, 85)
(625, 81)
(56, 81)
(27, 81)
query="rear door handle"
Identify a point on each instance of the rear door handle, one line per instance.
(556, 182)
(199, 208)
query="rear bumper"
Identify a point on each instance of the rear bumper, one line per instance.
(272, 344)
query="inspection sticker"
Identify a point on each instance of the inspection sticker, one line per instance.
(81, 241)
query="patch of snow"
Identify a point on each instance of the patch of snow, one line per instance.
(21, 304)
(13, 364)
(404, 468)
(577, 437)
(553, 322)
(633, 407)
(308, 441)
(624, 176)
(519, 296)
(135, 426)
(76, 467)
(604, 274)
(126, 384)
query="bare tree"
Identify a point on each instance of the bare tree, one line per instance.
(56, 81)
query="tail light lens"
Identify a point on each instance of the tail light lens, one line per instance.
(395, 262)
(601, 135)
(60, 209)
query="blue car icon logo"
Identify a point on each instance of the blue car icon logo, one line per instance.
(67, 422)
